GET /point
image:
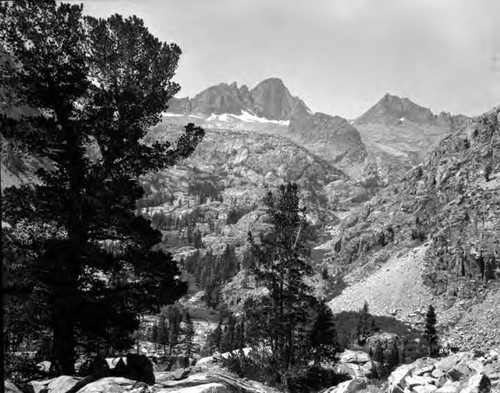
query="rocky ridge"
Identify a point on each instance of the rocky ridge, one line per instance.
(270, 99)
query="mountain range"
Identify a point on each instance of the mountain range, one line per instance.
(270, 99)
(397, 195)
(375, 148)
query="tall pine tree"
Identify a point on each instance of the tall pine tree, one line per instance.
(95, 87)
(285, 318)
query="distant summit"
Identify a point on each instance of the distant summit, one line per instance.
(273, 100)
(393, 110)
(270, 99)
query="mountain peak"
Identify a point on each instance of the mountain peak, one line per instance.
(393, 110)
(272, 81)
(269, 99)
(390, 109)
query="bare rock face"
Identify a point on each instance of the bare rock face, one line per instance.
(331, 137)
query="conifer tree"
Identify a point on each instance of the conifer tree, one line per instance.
(174, 326)
(95, 87)
(163, 333)
(189, 336)
(283, 320)
(430, 333)
(365, 325)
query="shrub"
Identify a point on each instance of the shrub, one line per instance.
(20, 369)
(258, 366)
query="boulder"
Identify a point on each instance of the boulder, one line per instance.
(349, 356)
(366, 370)
(163, 376)
(205, 361)
(181, 373)
(426, 369)
(44, 367)
(448, 387)
(425, 388)
(212, 381)
(9, 387)
(211, 387)
(351, 386)
(415, 380)
(437, 373)
(478, 383)
(459, 372)
(447, 363)
(397, 378)
(55, 385)
(109, 385)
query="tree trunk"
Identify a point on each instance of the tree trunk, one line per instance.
(64, 342)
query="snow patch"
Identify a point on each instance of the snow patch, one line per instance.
(246, 117)
(169, 114)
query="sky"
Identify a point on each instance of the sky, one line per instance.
(339, 56)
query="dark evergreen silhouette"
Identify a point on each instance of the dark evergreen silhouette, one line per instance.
(430, 333)
(365, 326)
(96, 87)
(189, 335)
(286, 319)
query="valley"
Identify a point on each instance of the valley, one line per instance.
(240, 241)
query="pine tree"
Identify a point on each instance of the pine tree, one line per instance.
(189, 336)
(240, 335)
(174, 326)
(430, 334)
(154, 334)
(163, 333)
(324, 341)
(96, 86)
(365, 325)
(197, 239)
(283, 319)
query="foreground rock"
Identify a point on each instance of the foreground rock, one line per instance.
(213, 381)
(463, 372)
(351, 386)
(55, 385)
(9, 387)
(357, 364)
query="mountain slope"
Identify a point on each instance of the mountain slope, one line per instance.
(399, 134)
(450, 205)
(331, 137)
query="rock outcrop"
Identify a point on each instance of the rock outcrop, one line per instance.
(357, 364)
(166, 382)
(463, 372)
